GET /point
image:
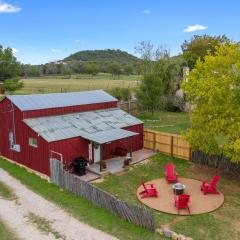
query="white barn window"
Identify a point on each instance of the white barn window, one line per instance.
(33, 142)
(11, 140)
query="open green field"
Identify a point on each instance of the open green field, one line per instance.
(76, 83)
(171, 122)
(219, 225)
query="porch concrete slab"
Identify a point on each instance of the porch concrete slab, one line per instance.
(141, 155)
(89, 176)
(115, 165)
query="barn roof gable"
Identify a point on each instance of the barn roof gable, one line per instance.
(84, 124)
(56, 100)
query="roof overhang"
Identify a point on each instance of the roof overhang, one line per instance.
(83, 124)
(109, 136)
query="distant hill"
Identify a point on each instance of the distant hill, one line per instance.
(103, 56)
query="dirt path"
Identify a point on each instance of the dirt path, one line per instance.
(15, 213)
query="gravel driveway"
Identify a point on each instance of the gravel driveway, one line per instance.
(14, 213)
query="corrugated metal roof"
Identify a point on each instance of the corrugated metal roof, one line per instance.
(56, 100)
(109, 135)
(61, 127)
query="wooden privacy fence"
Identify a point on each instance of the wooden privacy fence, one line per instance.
(167, 143)
(219, 162)
(132, 213)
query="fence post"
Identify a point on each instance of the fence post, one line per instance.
(190, 154)
(171, 146)
(154, 141)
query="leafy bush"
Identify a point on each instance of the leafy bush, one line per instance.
(173, 103)
(12, 85)
(122, 94)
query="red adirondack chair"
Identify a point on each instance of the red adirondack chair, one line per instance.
(212, 187)
(171, 174)
(149, 191)
(182, 202)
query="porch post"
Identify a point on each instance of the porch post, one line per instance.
(101, 157)
(130, 147)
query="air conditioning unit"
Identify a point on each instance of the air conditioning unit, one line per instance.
(17, 147)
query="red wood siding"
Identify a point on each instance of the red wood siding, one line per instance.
(37, 158)
(32, 157)
(70, 148)
(66, 110)
(136, 141)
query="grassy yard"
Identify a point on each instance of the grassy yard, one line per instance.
(172, 122)
(222, 224)
(78, 207)
(76, 83)
(219, 225)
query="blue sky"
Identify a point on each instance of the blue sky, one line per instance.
(47, 30)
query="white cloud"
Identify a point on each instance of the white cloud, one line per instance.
(14, 50)
(146, 11)
(194, 28)
(77, 41)
(54, 50)
(8, 8)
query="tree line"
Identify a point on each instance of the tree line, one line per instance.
(77, 67)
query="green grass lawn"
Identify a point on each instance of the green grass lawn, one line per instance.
(171, 122)
(78, 207)
(6, 233)
(223, 223)
(76, 83)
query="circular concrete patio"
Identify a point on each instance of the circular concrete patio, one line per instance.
(199, 203)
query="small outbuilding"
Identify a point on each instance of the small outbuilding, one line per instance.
(35, 128)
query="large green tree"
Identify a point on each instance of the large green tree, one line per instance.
(115, 69)
(10, 70)
(160, 75)
(201, 45)
(213, 89)
(91, 68)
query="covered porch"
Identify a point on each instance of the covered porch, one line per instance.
(115, 165)
(99, 142)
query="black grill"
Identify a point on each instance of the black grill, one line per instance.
(80, 164)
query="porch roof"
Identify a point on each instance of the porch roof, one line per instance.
(109, 135)
(90, 123)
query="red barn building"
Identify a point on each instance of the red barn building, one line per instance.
(87, 124)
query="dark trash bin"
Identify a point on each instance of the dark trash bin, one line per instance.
(80, 164)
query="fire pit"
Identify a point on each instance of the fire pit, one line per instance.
(178, 188)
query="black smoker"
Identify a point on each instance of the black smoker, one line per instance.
(80, 164)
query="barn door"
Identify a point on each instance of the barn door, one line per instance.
(90, 153)
(97, 152)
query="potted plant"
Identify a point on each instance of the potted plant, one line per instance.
(104, 165)
(126, 162)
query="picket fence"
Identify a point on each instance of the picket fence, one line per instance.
(133, 213)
